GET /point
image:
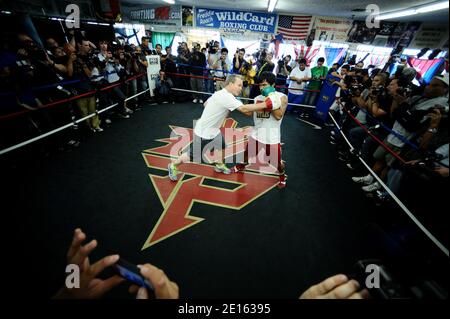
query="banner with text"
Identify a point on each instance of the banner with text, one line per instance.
(235, 21)
(331, 29)
(169, 16)
(430, 36)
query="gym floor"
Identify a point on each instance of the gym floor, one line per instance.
(274, 246)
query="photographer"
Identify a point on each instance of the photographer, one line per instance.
(223, 66)
(341, 86)
(426, 163)
(213, 57)
(145, 46)
(184, 56)
(266, 66)
(128, 60)
(238, 61)
(377, 105)
(142, 64)
(249, 73)
(283, 70)
(171, 61)
(112, 70)
(197, 62)
(80, 68)
(410, 115)
(162, 89)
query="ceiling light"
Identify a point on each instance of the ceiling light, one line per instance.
(170, 1)
(433, 7)
(272, 4)
(397, 14)
(423, 9)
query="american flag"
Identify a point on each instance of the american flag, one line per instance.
(294, 27)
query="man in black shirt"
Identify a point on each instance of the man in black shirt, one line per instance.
(238, 61)
(197, 63)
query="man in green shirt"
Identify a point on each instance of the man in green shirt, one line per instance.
(318, 74)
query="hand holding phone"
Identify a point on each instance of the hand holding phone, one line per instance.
(132, 273)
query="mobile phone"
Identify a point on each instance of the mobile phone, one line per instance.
(131, 273)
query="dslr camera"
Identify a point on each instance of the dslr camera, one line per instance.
(212, 49)
(379, 90)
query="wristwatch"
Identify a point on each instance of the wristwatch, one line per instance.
(432, 130)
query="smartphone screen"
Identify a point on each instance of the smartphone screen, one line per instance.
(132, 273)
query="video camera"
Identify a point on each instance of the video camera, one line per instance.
(379, 90)
(354, 84)
(281, 62)
(212, 49)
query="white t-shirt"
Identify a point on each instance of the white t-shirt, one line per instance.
(216, 110)
(267, 129)
(297, 73)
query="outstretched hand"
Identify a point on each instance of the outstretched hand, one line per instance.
(90, 286)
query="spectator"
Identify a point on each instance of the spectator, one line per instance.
(112, 69)
(197, 63)
(266, 66)
(184, 55)
(318, 74)
(298, 78)
(169, 54)
(92, 287)
(341, 86)
(142, 64)
(222, 66)
(238, 61)
(128, 60)
(408, 113)
(282, 71)
(334, 68)
(213, 57)
(81, 68)
(145, 46)
(158, 49)
(162, 90)
(249, 74)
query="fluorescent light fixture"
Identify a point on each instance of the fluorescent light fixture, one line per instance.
(97, 23)
(170, 1)
(397, 14)
(272, 4)
(6, 12)
(433, 7)
(423, 9)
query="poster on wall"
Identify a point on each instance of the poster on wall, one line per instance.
(235, 21)
(384, 32)
(430, 36)
(360, 33)
(168, 16)
(188, 16)
(331, 29)
(408, 33)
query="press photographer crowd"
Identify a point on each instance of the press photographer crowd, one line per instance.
(397, 128)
